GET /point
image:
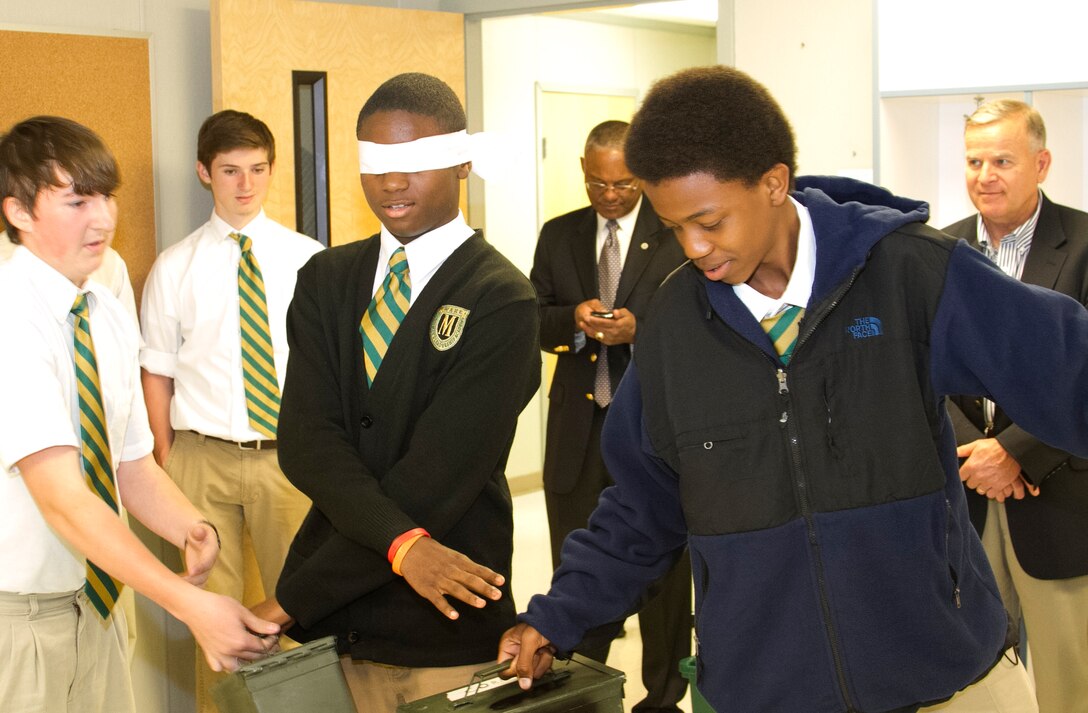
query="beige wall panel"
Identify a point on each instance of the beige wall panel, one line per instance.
(103, 83)
(256, 44)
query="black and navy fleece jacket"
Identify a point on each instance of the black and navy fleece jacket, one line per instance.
(835, 566)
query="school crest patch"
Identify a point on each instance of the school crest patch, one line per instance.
(447, 325)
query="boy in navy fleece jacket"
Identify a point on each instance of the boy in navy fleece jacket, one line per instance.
(784, 417)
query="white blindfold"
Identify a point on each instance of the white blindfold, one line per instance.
(430, 153)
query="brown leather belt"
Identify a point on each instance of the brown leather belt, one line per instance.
(267, 445)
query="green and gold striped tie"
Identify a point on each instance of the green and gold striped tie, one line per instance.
(258, 358)
(101, 589)
(385, 313)
(782, 328)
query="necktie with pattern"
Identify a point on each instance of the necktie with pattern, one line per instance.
(782, 328)
(385, 313)
(101, 588)
(262, 387)
(608, 280)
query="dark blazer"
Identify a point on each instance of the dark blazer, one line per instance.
(425, 446)
(1049, 533)
(565, 275)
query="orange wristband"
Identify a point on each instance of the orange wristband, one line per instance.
(399, 557)
(400, 540)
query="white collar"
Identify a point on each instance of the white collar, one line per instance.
(428, 251)
(626, 222)
(251, 230)
(57, 290)
(799, 288)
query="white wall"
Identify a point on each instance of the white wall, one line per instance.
(816, 59)
(951, 44)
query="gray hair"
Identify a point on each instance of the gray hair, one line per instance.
(999, 109)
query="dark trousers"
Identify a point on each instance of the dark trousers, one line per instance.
(665, 614)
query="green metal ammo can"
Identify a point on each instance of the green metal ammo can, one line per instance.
(579, 685)
(308, 678)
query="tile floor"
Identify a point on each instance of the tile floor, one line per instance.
(532, 573)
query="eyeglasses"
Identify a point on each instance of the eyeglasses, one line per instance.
(625, 188)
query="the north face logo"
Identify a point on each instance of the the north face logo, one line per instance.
(864, 327)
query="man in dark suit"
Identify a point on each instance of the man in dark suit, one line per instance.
(591, 298)
(1028, 501)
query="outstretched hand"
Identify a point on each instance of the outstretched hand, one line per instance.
(227, 632)
(531, 653)
(435, 571)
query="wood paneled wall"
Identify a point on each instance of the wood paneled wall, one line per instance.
(103, 83)
(256, 44)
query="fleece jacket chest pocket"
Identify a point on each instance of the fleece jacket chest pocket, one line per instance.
(733, 478)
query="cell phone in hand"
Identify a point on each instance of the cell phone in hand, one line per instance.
(603, 315)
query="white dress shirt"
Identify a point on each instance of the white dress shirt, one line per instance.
(40, 408)
(190, 320)
(1010, 256)
(799, 288)
(1012, 251)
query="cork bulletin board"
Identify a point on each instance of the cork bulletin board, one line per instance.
(104, 83)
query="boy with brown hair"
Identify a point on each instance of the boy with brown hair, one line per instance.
(215, 354)
(75, 446)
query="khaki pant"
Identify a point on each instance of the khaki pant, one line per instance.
(1006, 689)
(238, 490)
(1055, 615)
(60, 656)
(380, 688)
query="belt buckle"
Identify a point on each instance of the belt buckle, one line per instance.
(244, 446)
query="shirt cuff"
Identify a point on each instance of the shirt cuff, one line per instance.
(161, 363)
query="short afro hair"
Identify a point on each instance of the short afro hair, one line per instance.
(416, 93)
(714, 120)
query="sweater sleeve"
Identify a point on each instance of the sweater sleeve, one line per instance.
(633, 537)
(1023, 346)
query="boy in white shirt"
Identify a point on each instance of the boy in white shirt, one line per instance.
(215, 352)
(75, 445)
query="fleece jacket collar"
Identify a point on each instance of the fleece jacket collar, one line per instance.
(849, 217)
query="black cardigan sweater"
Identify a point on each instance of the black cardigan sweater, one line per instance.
(425, 446)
